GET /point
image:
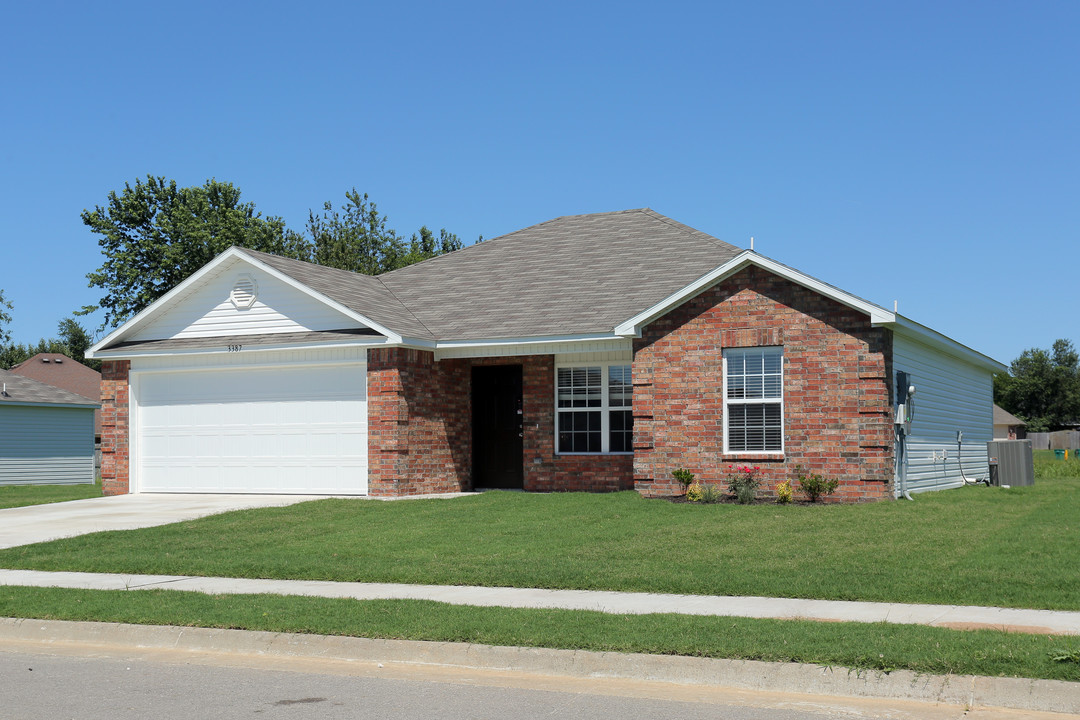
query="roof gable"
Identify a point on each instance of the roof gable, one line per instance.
(200, 306)
(240, 298)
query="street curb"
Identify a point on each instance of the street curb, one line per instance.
(972, 692)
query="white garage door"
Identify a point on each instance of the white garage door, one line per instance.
(253, 430)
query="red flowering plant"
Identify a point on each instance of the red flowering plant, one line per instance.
(743, 482)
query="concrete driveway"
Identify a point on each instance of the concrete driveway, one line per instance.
(37, 523)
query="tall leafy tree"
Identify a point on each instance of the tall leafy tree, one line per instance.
(1042, 387)
(357, 238)
(77, 340)
(155, 234)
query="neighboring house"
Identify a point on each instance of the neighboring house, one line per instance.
(46, 433)
(1008, 426)
(67, 374)
(589, 352)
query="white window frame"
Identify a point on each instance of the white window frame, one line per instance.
(604, 408)
(753, 401)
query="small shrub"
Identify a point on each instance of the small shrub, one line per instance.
(710, 494)
(815, 486)
(694, 493)
(685, 478)
(743, 483)
(784, 492)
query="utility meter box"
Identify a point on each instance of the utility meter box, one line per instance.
(1010, 462)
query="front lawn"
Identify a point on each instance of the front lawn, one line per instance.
(22, 495)
(863, 646)
(975, 545)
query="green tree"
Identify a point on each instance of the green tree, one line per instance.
(357, 238)
(1042, 387)
(155, 234)
(5, 318)
(77, 340)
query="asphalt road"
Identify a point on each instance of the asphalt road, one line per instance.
(54, 683)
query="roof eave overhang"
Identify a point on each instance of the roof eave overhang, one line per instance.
(530, 340)
(633, 326)
(160, 305)
(132, 353)
(906, 327)
(32, 403)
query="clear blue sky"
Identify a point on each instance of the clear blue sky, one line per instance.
(926, 152)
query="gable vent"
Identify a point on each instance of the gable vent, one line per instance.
(244, 292)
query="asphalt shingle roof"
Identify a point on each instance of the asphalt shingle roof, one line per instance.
(572, 275)
(21, 389)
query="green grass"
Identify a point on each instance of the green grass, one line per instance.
(974, 545)
(864, 646)
(1047, 466)
(22, 495)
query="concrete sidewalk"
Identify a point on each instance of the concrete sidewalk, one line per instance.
(1055, 622)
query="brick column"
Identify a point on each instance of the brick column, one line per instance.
(115, 431)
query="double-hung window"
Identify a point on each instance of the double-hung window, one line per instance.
(592, 408)
(754, 400)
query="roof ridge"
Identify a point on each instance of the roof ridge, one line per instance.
(511, 234)
(686, 229)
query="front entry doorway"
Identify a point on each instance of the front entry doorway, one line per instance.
(497, 427)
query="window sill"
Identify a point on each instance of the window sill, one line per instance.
(592, 454)
(756, 457)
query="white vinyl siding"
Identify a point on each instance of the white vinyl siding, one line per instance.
(46, 445)
(754, 400)
(951, 395)
(593, 409)
(208, 309)
(254, 427)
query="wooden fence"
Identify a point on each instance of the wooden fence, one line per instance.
(1060, 440)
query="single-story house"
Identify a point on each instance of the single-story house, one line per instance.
(67, 374)
(1007, 426)
(46, 433)
(591, 352)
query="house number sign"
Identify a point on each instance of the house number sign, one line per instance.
(235, 348)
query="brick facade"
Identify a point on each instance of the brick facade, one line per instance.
(836, 403)
(836, 390)
(115, 432)
(420, 428)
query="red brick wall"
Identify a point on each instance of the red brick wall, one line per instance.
(836, 392)
(114, 427)
(420, 418)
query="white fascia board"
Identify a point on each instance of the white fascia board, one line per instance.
(909, 328)
(633, 326)
(128, 353)
(161, 304)
(504, 342)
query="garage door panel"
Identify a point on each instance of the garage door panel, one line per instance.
(259, 430)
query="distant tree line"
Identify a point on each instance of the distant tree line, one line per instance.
(1042, 387)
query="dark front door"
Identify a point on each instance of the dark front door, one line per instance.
(497, 427)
